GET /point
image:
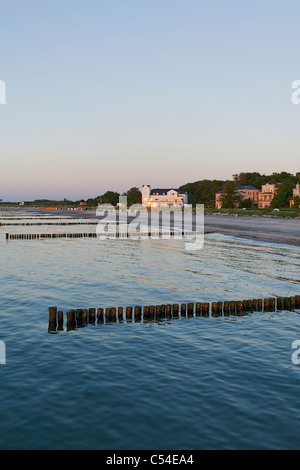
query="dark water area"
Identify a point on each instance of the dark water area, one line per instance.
(186, 383)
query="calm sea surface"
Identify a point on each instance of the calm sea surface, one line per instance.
(187, 383)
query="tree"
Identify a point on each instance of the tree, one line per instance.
(283, 195)
(231, 197)
(134, 196)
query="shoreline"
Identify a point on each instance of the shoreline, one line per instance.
(267, 229)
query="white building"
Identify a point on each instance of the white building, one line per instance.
(163, 197)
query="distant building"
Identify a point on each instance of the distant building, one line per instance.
(83, 202)
(296, 193)
(267, 194)
(163, 197)
(246, 192)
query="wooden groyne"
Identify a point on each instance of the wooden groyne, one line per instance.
(19, 224)
(108, 235)
(39, 236)
(82, 317)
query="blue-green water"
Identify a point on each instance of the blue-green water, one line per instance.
(187, 383)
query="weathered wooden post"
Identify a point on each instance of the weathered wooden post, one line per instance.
(137, 313)
(175, 310)
(107, 314)
(100, 315)
(151, 312)
(79, 317)
(52, 319)
(120, 313)
(272, 303)
(113, 314)
(71, 322)
(259, 305)
(226, 308)
(190, 309)
(292, 303)
(297, 301)
(205, 309)
(198, 309)
(92, 316)
(279, 305)
(128, 313)
(168, 310)
(219, 308)
(60, 321)
(84, 316)
(183, 310)
(286, 303)
(254, 305)
(239, 307)
(146, 312)
(232, 307)
(214, 309)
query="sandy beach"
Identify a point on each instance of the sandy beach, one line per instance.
(274, 230)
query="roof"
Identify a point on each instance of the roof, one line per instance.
(160, 192)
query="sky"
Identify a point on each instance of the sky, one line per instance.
(106, 95)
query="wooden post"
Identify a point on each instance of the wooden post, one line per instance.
(205, 309)
(175, 310)
(120, 313)
(292, 303)
(84, 316)
(60, 321)
(183, 310)
(198, 309)
(279, 303)
(52, 315)
(220, 308)
(297, 301)
(272, 305)
(226, 308)
(190, 309)
(286, 303)
(232, 307)
(254, 305)
(129, 313)
(259, 305)
(113, 314)
(100, 315)
(52, 319)
(146, 312)
(169, 310)
(79, 317)
(137, 313)
(239, 307)
(92, 316)
(214, 309)
(71, 323)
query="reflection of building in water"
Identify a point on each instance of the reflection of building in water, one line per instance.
(163, 197)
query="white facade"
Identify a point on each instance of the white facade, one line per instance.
(163, 197)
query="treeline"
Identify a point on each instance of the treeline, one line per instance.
(134, 196)
(203, 191)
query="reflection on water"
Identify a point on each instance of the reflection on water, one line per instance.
(166, 383)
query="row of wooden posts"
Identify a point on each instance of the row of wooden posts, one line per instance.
(38, 236)
(81, 317)
(112, 235)
(81, 222)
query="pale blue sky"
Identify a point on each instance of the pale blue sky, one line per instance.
(117, 93)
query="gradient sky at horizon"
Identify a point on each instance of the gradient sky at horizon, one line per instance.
(113, 94)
